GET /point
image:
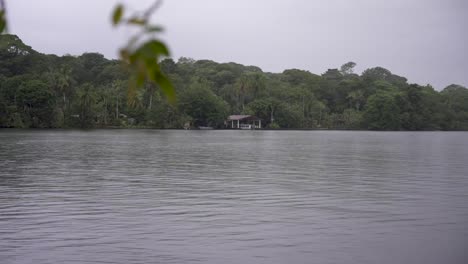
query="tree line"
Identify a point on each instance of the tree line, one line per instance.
(90, 91)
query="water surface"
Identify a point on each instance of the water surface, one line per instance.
(150, 196)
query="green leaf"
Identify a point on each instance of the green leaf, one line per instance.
(117, 15)
(157, 47)
(151, 29)
(2, 21)
(131, 92)
(133, 57)
(166, 87)
(136, 82)
(137, 21)
(140, 79)
(125, 55)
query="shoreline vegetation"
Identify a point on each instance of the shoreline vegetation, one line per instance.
(89, 91)
(219, 129)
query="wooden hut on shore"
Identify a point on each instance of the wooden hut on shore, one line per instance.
(243, 122)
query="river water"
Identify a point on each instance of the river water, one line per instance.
(152, 196)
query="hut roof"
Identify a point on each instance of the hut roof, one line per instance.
(242, 117)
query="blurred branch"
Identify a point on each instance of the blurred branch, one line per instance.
(152, 9)
(143, 58)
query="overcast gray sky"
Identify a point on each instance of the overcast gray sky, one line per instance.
(423, 40)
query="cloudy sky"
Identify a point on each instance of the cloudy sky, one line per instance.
(423, 40)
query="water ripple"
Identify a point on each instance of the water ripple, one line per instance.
(149, 196)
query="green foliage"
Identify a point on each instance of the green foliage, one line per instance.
(2, 21)
(274, 126)
(455, 98)
(347, 68)
(205, 107)
(38, 90)
(36, 103)
(382, 112)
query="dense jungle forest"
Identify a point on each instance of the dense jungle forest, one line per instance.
(89, 91)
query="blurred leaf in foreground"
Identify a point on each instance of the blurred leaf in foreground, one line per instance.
(117, 15)
(3, 22)
(143, 56)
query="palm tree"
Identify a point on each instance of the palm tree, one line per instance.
(150, 89)
(356, 98)
(117, 91)
(242, 87)
(64, 83)
(321, 106)
(61, 81)
(252, 84)
(86, 98)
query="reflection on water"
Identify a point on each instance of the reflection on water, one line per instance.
(149, 196)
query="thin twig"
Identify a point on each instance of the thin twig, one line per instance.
(152, 8)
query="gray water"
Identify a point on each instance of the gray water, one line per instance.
(149, 196)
